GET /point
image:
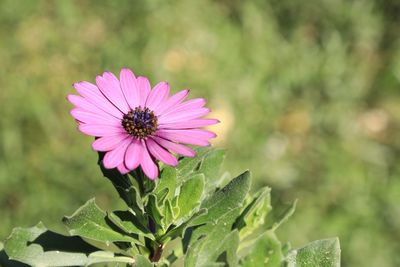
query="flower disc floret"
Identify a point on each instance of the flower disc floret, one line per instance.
(140, 123)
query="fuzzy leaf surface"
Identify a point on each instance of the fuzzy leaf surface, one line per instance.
(226, 199)
(142, 261)
(167, 180)
(37, 246)
(90, 222)
(210, 166)
(324, 252)
(255, 212)
(127, 222)
(211, 240)
(190, 195)
(266, 251)
(188, 165)
(277, 218)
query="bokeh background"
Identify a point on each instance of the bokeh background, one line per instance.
(308, 93)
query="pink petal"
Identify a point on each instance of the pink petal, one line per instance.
(110, 87)
(122, 169)
(158, 95)
(108, 143)
(160, 153)
(93, 118)
(188, 124)
(144, 89)
(133, 155)
(115, 157)
(148, 165)
(92, 94)
(100, 130)
(187, 105)
(171, 102)
(174, 147)
(191, 137)
(183, 116)
(129, 87)
(82, 103)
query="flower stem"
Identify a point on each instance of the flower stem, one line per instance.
(157, 254)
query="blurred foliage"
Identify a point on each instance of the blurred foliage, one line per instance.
(307, 92)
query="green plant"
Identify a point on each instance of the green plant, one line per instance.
(192, 215)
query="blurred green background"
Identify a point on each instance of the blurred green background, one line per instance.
(308, 93)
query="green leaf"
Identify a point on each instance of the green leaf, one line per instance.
(165, 193)
(175, 207)
(210, 166)
(37, 246)
(90, 222)
(168, 214)
(226, 199)
(127, 222)
(318, 253)
(229, 247)
(142, 261)
(187, 165)
(154, 210)
(278, 218)
(255, 213)
(178, 231)
(208, 242)
(190, 196)
(205, 243)
(122, 183)
(137, 203)
(167, 180)
(266, 251)
(5, 262)
(286, 248)
(161, 197)
(147, 184)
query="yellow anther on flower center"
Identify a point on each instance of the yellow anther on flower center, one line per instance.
(140, 123)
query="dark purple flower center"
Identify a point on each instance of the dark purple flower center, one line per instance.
(140, 123)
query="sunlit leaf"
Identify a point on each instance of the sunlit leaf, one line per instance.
(186, 166)
(167, 180)
(209, 241)
(318, 253)
(276, 219)
(226, 199)
(37, 246)
(266, 251)
(210, 166)
(168, 214)
(137, 202)
(90, 222)
(127, 222)
(190, 195)
(142, 261)
(255, 213)
(178, 231)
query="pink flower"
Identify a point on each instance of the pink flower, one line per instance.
(137, 125)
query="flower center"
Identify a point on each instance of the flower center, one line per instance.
(140, 123)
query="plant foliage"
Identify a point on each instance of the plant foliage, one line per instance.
(191, 214)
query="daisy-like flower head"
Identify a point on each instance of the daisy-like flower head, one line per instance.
(136, 125)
